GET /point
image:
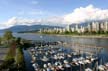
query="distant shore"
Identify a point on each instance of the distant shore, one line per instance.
(79, 36)
(86, 36)
(76, 36)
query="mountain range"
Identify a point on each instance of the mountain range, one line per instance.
(21, 28)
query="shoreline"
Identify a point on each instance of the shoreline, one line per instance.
(84, 36)
(77, 36)
(74, 36)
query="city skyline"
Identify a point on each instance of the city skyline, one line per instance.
(56, 12)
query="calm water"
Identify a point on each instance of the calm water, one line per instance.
(103, 42)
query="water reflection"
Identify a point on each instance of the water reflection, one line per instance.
(99, 42)
(90, 41)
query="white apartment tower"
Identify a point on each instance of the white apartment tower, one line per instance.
(106, 26)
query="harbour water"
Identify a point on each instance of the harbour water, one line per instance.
(99, 42)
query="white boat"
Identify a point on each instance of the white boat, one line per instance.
(87, 61)
(45, 65)
(45, 59)
(35, 66)
(74, 63)
(69, 55)
(48, 69)
(67, 65)
(34, 58)
(106, 66)
(52, 68)
(61, 57)
(75, 53)
(81, 58)
(46, 53)
(55, 57)
(92, 59)
(65, 61)
(101, 67)
(49, 64)
(88, 69)
(75, 60)
(60, 67)
(43, 70)
(81, 62)
(58, 63)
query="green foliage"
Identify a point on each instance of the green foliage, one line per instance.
(0, 40)
(66, 32)
(18, 41)
(10, 54)
(8, 36)
(9, 59)
(14, 58)
(20, 59)
(7, 64)
(70, 32)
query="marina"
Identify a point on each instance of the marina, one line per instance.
(59, 58)
(54, 35)
(94, 48)
(65, 53)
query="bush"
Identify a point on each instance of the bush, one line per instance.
(7, 64)
(20, 59)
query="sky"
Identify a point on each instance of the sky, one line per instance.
(50, 12)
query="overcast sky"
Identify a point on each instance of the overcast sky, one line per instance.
(30, 12)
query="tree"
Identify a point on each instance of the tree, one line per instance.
(18, 41)
(8, 36)
(0, 40)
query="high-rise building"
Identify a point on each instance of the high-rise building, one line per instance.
(76, 27)
(106, 26)
(89, 27)
(94, 26)
(68, 27)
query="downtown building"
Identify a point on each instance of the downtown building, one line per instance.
(98, 26)
(94, 26)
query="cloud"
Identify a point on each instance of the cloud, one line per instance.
(81, 14)
(53, 20)
(84, 14)
(9, 23)
(23, 21)
(19, 21)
